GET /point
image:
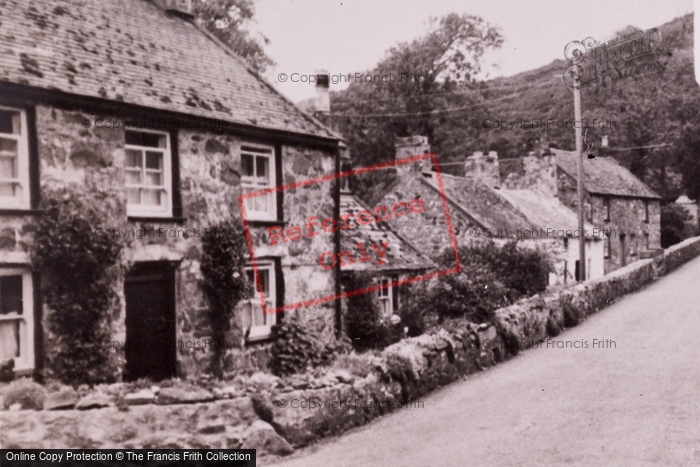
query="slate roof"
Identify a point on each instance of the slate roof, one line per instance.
(133, 51)
(603, 175)
(481, 202)
(400, 254)
(543, 211)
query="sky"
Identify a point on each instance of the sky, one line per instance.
(344, 36)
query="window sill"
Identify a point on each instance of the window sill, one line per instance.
(21, 212)
(155, 219)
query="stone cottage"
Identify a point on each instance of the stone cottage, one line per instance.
(136, 109)
(480, 212)
(614, 200)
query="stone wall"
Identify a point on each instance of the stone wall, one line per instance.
(90, 161)
(267, 419)
(681, 253)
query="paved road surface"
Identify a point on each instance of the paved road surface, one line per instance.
(634, 405)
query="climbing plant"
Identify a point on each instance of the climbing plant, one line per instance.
(78, 287)
(224, 253)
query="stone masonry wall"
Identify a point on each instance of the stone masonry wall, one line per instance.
(402, 373)
(90, 161)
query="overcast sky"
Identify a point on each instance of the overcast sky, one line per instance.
(344, 36)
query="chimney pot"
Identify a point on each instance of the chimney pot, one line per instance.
(322, 102)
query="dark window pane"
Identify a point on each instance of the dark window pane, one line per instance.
(10, 294)
(247, 165)
(150, 140)
(9, 122)
(153, 160)
(261, 169)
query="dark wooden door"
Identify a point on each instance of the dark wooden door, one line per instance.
(150, 348)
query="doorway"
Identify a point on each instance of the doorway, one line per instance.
(623, 251)
(150, 348)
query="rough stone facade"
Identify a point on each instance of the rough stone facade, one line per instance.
(90, 161)
(631, 229)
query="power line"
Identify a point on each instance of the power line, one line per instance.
(439, 111)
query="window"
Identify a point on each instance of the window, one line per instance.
(606, 203)
(258, 171)
(387, 297)
(646, 210)
(566, 242)
(256, 323)
(633, 245)
(606, 246)
(148, 173)
(646, 240)
(14, 159)
(16, 313)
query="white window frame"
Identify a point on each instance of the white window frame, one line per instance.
(251, 184)
(386, 295)
(25, 361)
(166, 210)
(252, 305)
(23, 200)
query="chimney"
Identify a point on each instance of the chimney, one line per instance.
(484, 168)
(412, 146)
(322, 102)
(182, 8)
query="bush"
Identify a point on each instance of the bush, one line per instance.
(491, 278)
(365, 325)
(79, 287)
(26, 392)
(674, 219)
(296, 348)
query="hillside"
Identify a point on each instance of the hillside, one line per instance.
(660, 109)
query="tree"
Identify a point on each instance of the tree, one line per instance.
(229, 20)
(673, 222)
(421, 74)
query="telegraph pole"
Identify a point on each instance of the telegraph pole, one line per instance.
(579, 153)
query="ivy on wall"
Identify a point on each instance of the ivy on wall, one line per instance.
(224, 254)
(78, 288)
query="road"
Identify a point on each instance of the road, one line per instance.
(637, 404)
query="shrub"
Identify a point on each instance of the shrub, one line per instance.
(26, 392)
(491, 278)
(365, 326)
(296, 348)
(224, 282)
(79, 287)
(674, 219)
(413, 310)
